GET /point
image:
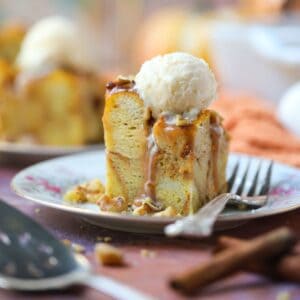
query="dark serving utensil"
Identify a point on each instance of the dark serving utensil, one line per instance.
(32, 259)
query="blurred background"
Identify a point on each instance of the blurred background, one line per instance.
(232, 35)
(253, 46)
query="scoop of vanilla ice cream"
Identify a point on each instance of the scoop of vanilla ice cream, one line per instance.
(177, 83)
(53, 41)
(288, 109)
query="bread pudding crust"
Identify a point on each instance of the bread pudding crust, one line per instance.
(181, 167)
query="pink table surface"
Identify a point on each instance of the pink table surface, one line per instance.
(150, 275)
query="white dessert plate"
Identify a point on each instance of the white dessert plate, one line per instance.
(30, 153)
(45, 183)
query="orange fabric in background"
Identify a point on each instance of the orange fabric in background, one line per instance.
(254, 128)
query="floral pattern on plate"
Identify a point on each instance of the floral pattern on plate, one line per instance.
(47, 182)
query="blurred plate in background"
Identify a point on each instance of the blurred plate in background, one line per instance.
(27, 154)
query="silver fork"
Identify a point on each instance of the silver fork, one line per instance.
(201, 223)
(255, 196)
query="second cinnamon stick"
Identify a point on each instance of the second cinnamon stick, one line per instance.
(232, 260)
(285, 268)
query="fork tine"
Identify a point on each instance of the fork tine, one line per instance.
(252, 189)
(233, 176)
(242, 183)
(266, 186)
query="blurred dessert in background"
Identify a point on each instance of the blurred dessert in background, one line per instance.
(11, 37)
(165, 149)
(177, 29)
(288, 109)
(247, 35)
(51, 93)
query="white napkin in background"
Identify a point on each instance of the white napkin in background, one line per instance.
(288, 111)
(260, 59)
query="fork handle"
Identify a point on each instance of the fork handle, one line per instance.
(201, 223)
(113, 288)
(249, 202)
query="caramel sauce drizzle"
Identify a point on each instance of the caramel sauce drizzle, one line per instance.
(215, 133)
(173, 132)
(149, 187)
(150, 169)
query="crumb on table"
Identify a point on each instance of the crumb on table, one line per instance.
(283, 295)
(148, 253)
(107, 239)
(108, 255)
(66, 242)
(77, 248)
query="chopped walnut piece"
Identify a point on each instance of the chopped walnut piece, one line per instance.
(110, 85)
(116, 204)
(107, 239)
(180, 121)
(122, 82)
(75, 195)
(145, 205)
(148, 253)
(77, 248)
(66, 242)
(170, 211)
(283, 295)
(89, 191)
(125, 79)
(108, 255)
(95, 185)
(142, 210)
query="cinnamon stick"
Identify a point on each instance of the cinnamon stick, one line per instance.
(229, 261)
(285, 268)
